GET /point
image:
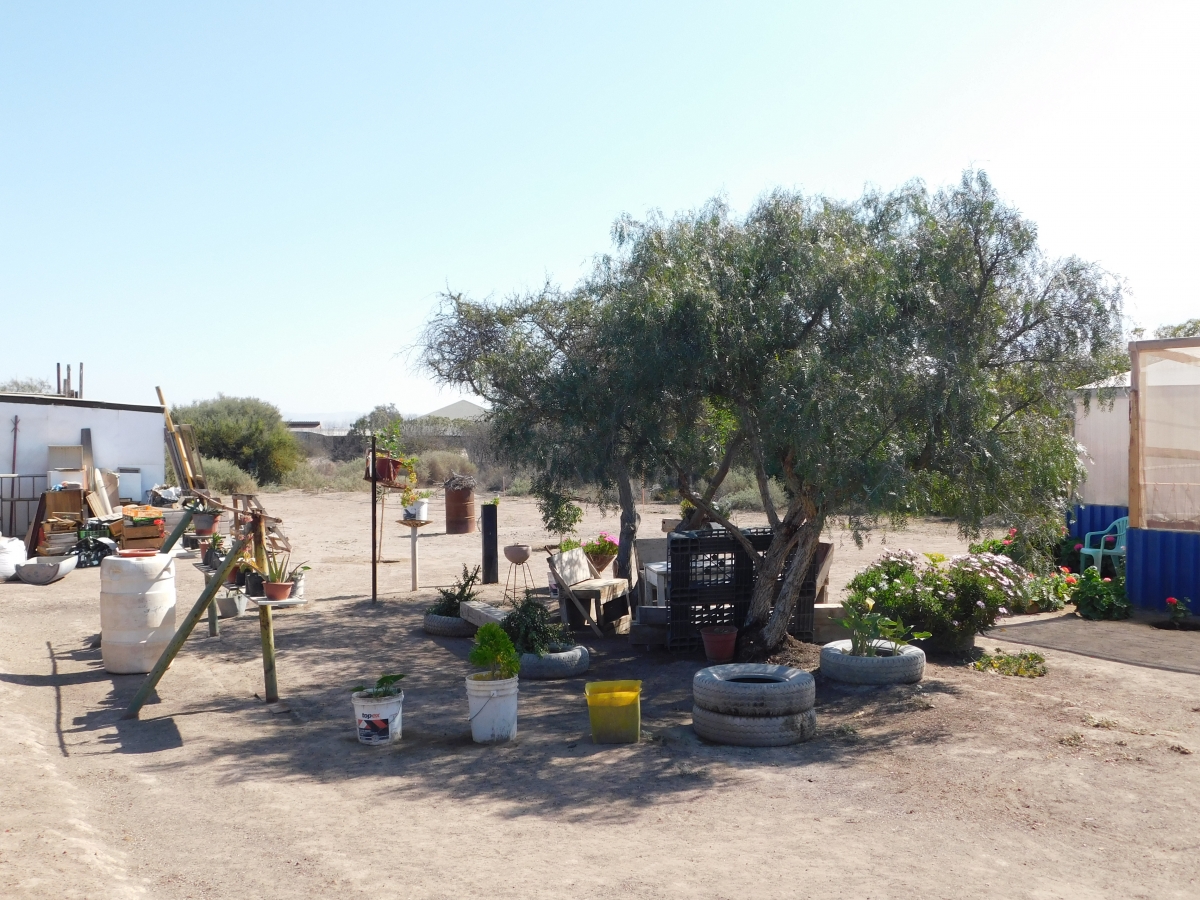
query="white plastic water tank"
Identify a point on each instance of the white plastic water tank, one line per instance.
(137, 611)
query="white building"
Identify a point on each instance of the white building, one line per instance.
(47, 430)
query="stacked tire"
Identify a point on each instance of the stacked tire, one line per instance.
(754, 705)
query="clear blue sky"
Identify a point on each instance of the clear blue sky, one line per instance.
(266, 198)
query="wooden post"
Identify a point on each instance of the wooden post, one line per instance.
(173, 648)
(214, 628)
(177, 441)
(268, 649)
(260, 541)
(177, 532)
(1137, 518)
(413, 542)
(374, 491)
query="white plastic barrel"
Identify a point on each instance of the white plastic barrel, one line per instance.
(137, 611)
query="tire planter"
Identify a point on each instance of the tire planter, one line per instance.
(753, 689)
(565, 664)
(754, 731)
(906, 666)
(447, 626)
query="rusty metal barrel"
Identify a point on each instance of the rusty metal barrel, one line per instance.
(460, 511)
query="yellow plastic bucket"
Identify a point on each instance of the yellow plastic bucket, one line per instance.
(615, 708)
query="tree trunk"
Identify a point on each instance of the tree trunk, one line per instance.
(630, 520)
(767, 620)
(776, 630)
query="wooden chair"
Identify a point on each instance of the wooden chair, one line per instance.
(579, 583)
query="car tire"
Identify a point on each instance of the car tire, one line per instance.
(567, 664)
(754, 731)
(906, 666)
(753, 689)
(447, 626)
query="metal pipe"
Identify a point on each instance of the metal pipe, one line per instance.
(81, 381)
(59, 365)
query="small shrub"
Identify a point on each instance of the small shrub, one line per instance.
(1047, 593)
(436, 466)
(463, 591)
(520, 487)
(534, 629)
(226, 478)
(245, 431)
(1025, 664)
(493, 650)
(1100, 598)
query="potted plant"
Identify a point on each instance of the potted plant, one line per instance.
(377, 710)
(443, 617)
(492, 694)
(878, 651)
(416, 505)
(204, 517)
(278, 584)
(212, 551)
(546, 647)
(298, 582)
(601, 551)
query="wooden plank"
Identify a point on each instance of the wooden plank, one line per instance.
(191, 451)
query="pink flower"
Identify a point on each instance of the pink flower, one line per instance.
(1012, 532)
(1108, 579)
(1006, 543)
(1079, 546)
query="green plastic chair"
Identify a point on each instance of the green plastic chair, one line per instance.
(1101, 550)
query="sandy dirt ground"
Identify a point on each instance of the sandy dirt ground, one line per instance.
(1078, 784)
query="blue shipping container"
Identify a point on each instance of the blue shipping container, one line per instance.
(1085, 519)
(1162, 564)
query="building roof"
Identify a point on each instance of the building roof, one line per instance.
(58, 400)
(1117, 381)
(463, 409)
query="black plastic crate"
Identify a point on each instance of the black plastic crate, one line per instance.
(712, 582)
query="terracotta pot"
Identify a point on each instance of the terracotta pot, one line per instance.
(601, 560)
(720, 641)
(277, 590)
(517, 553)
(205, 523)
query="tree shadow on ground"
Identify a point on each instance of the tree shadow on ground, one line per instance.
(552, 768)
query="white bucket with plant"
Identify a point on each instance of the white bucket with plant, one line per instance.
(492, 695)
(418, 506)
(377, 710)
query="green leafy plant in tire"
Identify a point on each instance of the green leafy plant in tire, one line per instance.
(533, 628)
(494, 651)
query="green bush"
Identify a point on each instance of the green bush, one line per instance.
(534, 629)
(436, 466)
(244, 431)
(452, 598)
(323, 475)
(1100, 598)
(521, 486)
(226, 478)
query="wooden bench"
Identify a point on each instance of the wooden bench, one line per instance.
(581, 585)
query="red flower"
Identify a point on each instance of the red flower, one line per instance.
(1064, 570)
(1071, 579)
(1171, 601)
(1006, 543)
(1109, 539)
(1012, 532)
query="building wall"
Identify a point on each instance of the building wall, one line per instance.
(122, 435)
(1104, 435)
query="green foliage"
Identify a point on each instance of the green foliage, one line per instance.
(463, 591)
(244, 431)
(559, 514)
(950, 601)
(1180, 608)
(324, 475)
(493, 650)
(384, 687)
(1048, 592)
(26, 386)
(868, 627)
(1096, 597)
(226, 478)
(1190, 328)
(534, 629)
(279, 568)
(569, 544)
(1025, 664)
(384, 418)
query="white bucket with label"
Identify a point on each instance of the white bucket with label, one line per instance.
(378, 720)
(137, 611)
(492, 706)
(418, 511)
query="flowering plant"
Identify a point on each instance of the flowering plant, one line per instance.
(951, 600)
(1179, 609)
(1100, 598)
(605, 545)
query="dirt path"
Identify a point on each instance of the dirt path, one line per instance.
(1064, 786)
